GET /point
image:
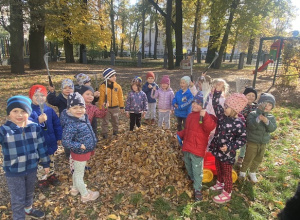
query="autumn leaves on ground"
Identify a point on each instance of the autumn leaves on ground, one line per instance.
(141, 175)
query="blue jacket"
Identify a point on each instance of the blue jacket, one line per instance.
(148, 91)
(22, 148)
(184, 102)
(60, 101)
(76, 132)
(51, 128)
(136, 102)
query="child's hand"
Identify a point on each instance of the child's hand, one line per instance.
(46, 170)
(42, 118)
(82, 147)
(224, 148)
(59, 143)
(191, 84)
(154, 88)
(175, 105)
(105, 105)
(127, 114)
(51, 89)
(203, 112)
(150, 86)
(96, 94)
(263, 119)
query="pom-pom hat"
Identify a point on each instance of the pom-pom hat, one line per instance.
(237, 102)
(108, 72)
(19, 101)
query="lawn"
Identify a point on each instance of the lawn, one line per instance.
(123, 198)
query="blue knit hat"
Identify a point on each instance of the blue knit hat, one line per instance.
(67, 82)
(198, 98)
(19, 101)
(187, 79)
(75, 99)
(108, 72)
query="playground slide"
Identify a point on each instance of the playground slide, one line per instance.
(264, 66)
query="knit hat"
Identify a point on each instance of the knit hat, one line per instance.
(137, 80)
(67, 82)
(237, 102)
(83, 89)
(198, 98)
(108, 72)
(165, 80)
(37, 88)
(267, 97)
(19, 101)
(75, 99)
(187, 79)
(150, 74)
(250, 89)
(82, 79)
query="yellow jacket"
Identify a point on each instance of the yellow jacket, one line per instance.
(114, 95)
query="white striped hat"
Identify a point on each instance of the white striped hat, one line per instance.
(108, 72)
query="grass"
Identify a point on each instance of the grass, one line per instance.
(278, 174)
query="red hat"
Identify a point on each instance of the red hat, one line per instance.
(150, 74)
(37, 88)
(237, 102)
(165, 80)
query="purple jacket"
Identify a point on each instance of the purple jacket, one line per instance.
(136, 102)
(164, 98)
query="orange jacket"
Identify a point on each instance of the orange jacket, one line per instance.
(114, 96)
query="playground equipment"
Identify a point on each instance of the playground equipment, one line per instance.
(264, 66)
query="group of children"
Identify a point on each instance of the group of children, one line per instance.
(33, 130)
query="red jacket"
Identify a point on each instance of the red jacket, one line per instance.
(195, 135)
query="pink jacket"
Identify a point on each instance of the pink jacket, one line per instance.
(164, 98)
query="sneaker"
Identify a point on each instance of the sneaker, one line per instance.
(43, 184)
(35, 214)
(253, 177)
(74, 191)
(198, 196)
(242, 176)
(53, 180)
(91, 196)
(222, 198)
(104, 136)
(217, 186)
(240, 161)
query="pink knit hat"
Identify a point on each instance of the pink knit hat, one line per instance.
(165, 80)
(237, 102)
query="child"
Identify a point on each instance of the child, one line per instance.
(230, 135)
(260, 124)
(195, 138)
(23, 146)
(49, 121)
(251, 95)
(165, 96)
(136, 104)
(147, 88)
(114, 100)
(67, 87)
(79, 137)
(183, 102)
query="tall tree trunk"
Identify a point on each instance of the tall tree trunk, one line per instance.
(234, 44)
(82, 47)
(178, 32)
(68, 47)
(135, 36)
(196, 26)
(250, 49)
(233, 7)
(112, 20)
(143, 29)
(150, 30)
(122, 39)
(169, 35)
(16, 37)
(155, 41)
(37, 34)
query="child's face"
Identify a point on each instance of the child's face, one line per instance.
(38, 97)
(229, 112)
(196, 107)
(267, 107)
(113, 78)
(18, 116)
(77, 111)
(164, 86)
(150, 80)
(183, 85)
(67, 90)
(251, 97)
(134, 88)
(88, 96)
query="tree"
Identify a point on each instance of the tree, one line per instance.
(178, 33)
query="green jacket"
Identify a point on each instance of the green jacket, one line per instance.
(260, 132)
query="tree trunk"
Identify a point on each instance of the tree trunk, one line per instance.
(196, 26)
(150, 30)
(250, 50)
(143, 30)
(155, 41)
(178, 32)
(233, 7)
(16, 37)
(82, 48)
(234, 44)
(135, 36)
(169, 35)
(112, 20)
(68, 51)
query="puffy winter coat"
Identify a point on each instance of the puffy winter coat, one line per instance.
(165, 98)
(60, 101)
(148, 91)
(184, 102)
(136, 102)
(114, 95)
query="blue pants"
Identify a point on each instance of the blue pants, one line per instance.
(21, 193)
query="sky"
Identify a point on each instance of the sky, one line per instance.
(295, 23)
